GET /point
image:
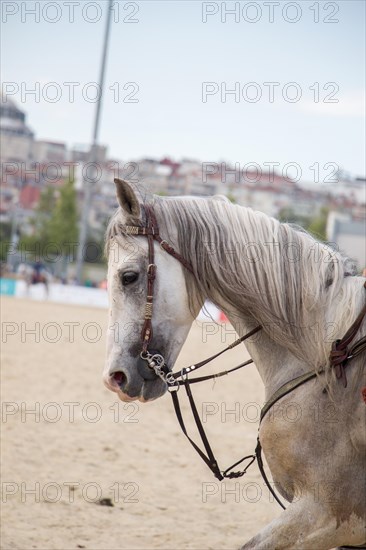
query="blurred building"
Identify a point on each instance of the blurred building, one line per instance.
(81, 153)
(34, 164)
(16, 138)
(29, 197)
(46, 152)
(349, 234)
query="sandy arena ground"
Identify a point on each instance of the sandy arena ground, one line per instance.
(80, 445)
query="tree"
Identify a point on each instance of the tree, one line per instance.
(287, 215)
(5, 236)
(40, 237)
(63, 225)
(318, 225)
(55, 227)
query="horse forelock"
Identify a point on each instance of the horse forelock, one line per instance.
(116, 230)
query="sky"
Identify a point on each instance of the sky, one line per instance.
(296, 72)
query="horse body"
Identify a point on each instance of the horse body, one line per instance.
(314, 438)
(315, 449)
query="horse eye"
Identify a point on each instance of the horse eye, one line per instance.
(129, 277)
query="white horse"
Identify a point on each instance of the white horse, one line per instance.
(304, 295)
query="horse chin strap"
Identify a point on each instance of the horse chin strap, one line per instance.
(340, 355)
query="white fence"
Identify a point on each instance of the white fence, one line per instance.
(64, 294)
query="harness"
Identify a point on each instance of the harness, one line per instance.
(340, 355)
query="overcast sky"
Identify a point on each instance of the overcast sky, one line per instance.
(171, 63)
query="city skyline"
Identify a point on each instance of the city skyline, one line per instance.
(170, 92)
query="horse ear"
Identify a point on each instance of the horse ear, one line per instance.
(127, 198)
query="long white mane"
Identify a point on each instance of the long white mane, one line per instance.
(301, 291)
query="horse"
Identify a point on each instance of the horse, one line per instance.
(33, 276)
(301, 292)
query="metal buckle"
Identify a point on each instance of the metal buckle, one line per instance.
(170, 380)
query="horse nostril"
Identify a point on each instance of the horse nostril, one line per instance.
(120, 378)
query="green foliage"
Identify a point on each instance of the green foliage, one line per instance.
(316, 226)
(319, 224)
(63, 224)
(55, 224)
(231, 197)
(47, 201)
(5, 237)
(39, 238)
(287, 215)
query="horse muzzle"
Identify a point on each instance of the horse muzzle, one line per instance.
(145, 380)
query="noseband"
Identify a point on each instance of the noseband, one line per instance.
(340, 355)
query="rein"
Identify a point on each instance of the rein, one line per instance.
(339, 357)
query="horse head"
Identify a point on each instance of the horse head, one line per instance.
(129, 267)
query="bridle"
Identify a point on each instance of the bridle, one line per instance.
(340, 355)
(151, 232)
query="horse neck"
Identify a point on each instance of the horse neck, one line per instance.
(253, 267)
(275, 364)
(290, 299)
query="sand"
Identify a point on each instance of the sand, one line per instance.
(68, 443)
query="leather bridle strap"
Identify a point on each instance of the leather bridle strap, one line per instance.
(196, 366)
(151, 232)
(146, 333)
(164, 245)
(216, 375)
(340, 353)
(210, 459)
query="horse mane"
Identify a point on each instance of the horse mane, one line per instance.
(300, 290)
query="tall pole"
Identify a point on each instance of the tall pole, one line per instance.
(88, 183)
